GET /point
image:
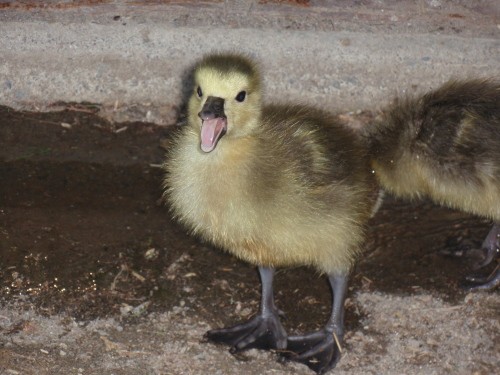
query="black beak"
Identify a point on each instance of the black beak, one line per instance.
(213, 108)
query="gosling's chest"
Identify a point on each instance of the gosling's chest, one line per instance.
(211, 194)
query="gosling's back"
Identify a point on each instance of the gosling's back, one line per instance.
(445, 145)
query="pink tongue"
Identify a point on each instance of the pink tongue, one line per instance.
(211, 131)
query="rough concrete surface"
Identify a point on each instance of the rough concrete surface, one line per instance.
(131, 56)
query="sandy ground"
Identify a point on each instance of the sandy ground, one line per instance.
(417, 334)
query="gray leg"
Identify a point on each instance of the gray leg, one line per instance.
(263, 331)
(322, 350)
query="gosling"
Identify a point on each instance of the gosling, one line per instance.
(445, 145)
(276, 186)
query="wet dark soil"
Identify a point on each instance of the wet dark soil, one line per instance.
(84, 232)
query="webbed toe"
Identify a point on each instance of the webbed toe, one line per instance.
(320, 350)
(261, 332)
(489, 282)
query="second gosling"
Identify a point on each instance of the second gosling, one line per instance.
(445, 145)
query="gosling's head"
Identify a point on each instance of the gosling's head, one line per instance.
(226, 99)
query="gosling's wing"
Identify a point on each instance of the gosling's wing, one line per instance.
(319, 149)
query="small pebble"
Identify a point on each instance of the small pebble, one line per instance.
(151, 254)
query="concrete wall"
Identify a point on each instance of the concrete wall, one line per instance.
(131, 56)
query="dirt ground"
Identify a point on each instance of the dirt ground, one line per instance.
(95, 278)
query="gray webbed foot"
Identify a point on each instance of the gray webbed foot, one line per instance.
(491, 248)
(476, 283)
(261, 332)
(319, 350)
(488, 253)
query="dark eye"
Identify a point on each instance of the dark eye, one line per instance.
(241, 96)
(199, 92)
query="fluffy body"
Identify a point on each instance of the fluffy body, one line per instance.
(444, 145)
(287, 185)
(293, 191)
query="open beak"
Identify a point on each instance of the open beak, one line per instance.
(214, 123)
